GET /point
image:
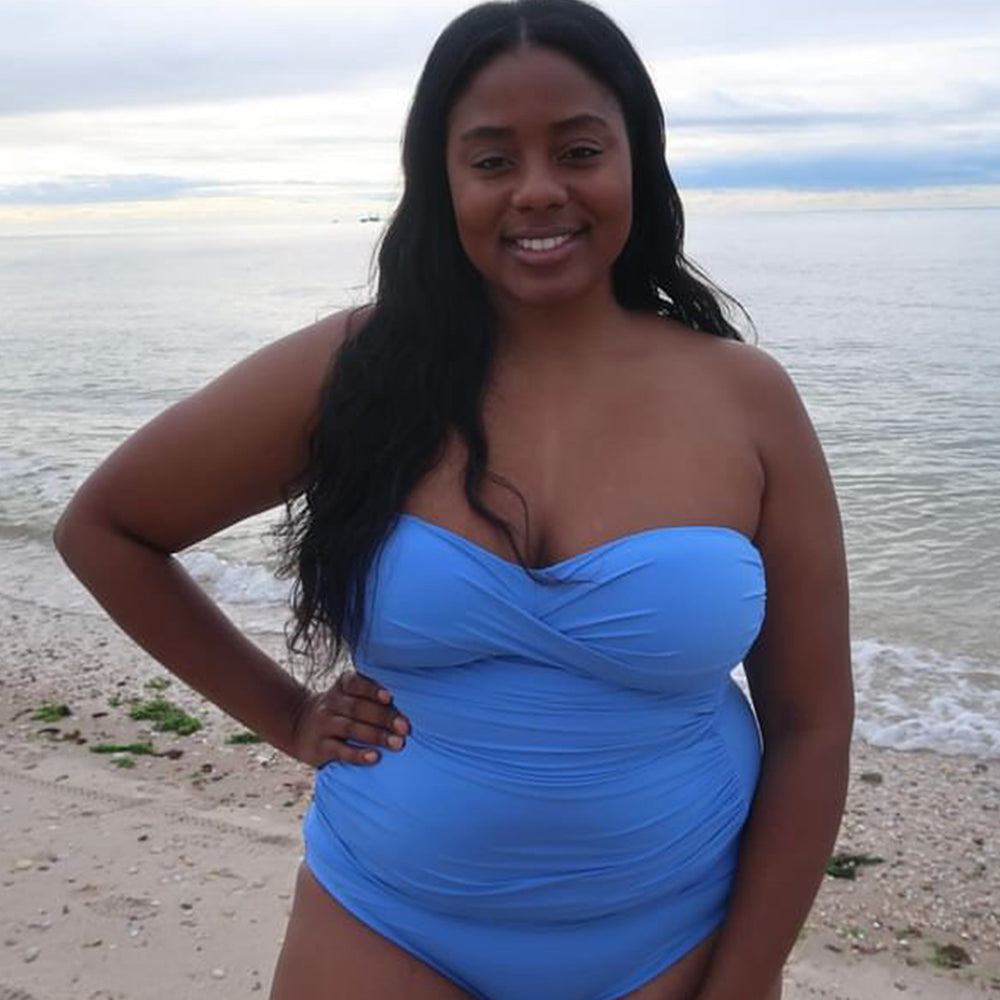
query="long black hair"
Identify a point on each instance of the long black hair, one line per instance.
(417, 364)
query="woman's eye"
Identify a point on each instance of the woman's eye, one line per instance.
(489, 163)
(582, 153)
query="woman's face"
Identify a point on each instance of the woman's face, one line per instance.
(541, 177)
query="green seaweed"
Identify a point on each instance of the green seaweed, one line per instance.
(158, 684)
(136, 748)
(245, 737)
(846, 865)
(124, 762)
(49, 711)
(165, 716)
(950, 956)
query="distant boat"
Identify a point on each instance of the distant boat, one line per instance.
(370, 217)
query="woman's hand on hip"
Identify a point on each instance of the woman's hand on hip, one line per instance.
(354, 708)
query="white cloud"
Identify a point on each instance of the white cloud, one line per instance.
(261, 103)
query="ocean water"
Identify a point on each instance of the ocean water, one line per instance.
(889, 322)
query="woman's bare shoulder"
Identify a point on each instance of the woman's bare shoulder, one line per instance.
(318, 343)
(756, 381)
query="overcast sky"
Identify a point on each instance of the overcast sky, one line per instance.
(291, 109)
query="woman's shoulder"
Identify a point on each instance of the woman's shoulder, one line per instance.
(319, 341)
(750, 372)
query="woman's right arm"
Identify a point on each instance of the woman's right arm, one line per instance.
(217, 457)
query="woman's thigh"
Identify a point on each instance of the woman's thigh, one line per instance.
(328, 954)
(681, 981)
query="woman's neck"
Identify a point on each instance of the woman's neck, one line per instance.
(559, 332)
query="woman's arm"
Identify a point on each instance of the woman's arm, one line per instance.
(800, 682)
(221, 455)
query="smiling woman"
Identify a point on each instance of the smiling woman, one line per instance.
(545, 496)
(541, 178)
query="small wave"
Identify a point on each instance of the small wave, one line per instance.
(26, 531)
(911, 698)
(234, 582)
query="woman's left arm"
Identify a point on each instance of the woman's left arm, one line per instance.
(800, 682)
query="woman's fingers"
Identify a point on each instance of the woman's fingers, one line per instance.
(356, 710)
(344, 728)
(344, 753)
(361, 686)
(356, 698)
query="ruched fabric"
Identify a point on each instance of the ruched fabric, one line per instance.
(563, 822)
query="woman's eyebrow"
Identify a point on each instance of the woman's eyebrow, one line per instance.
(580, 121)
(480, 132)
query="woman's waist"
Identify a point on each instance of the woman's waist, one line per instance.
(514, 710)
(433, 825)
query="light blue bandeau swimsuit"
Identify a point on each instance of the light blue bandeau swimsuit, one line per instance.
(563, 822)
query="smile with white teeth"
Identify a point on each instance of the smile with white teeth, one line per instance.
(547, 243)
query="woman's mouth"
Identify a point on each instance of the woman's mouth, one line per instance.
(543, 243)
(544, 249)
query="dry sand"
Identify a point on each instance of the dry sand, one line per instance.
(173, 878)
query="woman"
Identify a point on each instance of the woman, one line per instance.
(544, 489)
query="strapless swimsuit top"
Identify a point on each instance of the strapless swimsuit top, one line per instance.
(580, 764)
(666, 610)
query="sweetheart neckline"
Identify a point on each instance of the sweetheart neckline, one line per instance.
(592, 551)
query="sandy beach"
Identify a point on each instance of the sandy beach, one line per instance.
(141, 875)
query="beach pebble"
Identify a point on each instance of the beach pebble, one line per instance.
(218, 973)
(31, 954)
(23, 864)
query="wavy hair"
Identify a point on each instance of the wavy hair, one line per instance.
(416, 365)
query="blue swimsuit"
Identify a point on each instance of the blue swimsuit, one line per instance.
(564, 820)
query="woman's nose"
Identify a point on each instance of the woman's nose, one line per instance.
(538, 186)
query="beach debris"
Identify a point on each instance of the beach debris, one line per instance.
(158, 684)
(131, 908)
(136, 748)
(49, 711)
(871, 777)
(950, 956)
(846, 865)
(165, 716)
(244, 737)
(55, 734)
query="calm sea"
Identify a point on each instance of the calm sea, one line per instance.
(889, 321)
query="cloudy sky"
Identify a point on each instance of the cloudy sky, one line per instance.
(289, 110)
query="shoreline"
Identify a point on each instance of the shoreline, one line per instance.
(179, 869)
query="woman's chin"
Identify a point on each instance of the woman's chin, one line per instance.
(550, 293)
